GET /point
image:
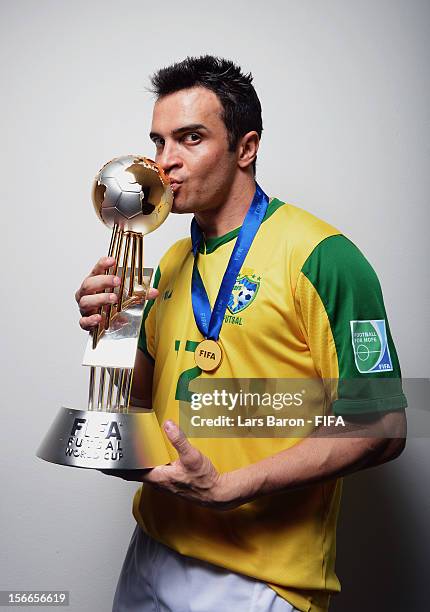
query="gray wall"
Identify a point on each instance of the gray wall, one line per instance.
(345, 92)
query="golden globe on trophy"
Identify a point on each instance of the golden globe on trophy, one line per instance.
(132, 196)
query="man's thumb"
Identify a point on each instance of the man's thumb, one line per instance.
(179, 440)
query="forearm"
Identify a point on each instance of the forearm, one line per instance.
(313, 460)
(141, 388)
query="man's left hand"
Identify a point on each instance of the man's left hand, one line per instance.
(192, 476)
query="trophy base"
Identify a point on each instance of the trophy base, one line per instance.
(104, 440)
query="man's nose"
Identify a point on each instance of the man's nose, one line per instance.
(169, 157)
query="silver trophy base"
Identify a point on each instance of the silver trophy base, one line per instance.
(104, 440)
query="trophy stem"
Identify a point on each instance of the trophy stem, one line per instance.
(101, 389)
(113, 241)
(127, 389)
(91, 388)
(124, 272)
(123, 377)
(140, 259)
(110, 389)
(132, 265)
(127, 249)
(116, 254)
(119, 390)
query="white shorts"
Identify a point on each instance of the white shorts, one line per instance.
(155, 578)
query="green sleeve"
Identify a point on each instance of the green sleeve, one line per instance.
(368, 366)
(147, 329)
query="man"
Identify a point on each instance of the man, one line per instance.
(243, 523)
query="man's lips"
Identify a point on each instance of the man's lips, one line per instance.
(175, 185)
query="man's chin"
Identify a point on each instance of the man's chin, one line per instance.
(179, 207)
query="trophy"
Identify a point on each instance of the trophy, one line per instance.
(131, 195)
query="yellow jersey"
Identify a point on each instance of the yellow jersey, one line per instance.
(308, 294)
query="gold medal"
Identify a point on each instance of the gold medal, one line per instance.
(208, 355)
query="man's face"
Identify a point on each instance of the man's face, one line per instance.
(192, 148)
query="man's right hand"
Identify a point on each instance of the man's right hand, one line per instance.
(96, 290)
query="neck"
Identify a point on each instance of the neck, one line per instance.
(231, 213)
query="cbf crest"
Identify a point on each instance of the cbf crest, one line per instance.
(243, 293)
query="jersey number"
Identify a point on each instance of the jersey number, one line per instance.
(182, 392)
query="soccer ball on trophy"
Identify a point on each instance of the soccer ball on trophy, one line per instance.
(133, 192)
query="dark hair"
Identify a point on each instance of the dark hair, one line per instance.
(239, 100)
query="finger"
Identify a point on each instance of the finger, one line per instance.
(89, 304)
(101, 267)
(97, 284)
(89, 323)
(152, 294)
(103, 264)
(188, 454)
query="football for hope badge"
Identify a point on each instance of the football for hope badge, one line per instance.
(370, 346)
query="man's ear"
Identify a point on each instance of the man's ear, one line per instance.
(247, 149)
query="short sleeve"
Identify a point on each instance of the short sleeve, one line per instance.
(341, 312)
(147, 331)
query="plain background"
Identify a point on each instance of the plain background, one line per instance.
(345, 92)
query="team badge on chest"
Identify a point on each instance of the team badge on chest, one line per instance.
(243, 293)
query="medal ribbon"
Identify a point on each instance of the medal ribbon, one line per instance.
(210, 323)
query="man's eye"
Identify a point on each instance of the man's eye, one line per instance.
(159, 142)
(192, 137)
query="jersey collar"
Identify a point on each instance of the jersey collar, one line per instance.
(212, 244)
